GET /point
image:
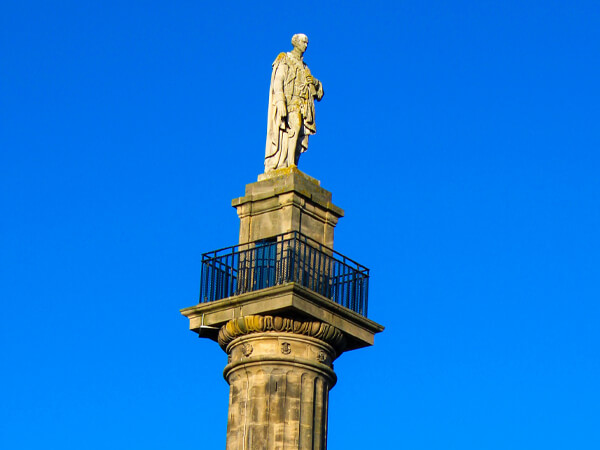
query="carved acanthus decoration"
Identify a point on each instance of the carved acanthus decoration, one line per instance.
(260, 324)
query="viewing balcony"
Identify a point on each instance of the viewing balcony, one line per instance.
(286, 258)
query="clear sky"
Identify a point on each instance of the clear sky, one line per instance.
(460, 137)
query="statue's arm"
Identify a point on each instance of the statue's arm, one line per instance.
(319, 89)
(317, 92)
(278, 93)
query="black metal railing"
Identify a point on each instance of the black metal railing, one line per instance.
(290, 257)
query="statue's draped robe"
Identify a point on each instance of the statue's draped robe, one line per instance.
(289, 85)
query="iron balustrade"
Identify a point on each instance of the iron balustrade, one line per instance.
(290, 257)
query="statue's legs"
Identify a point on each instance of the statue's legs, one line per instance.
(294, 143)
(278, 159)
(283, 149)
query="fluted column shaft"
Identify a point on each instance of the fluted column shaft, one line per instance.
(279, 382)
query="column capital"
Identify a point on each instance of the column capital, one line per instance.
(259, 324)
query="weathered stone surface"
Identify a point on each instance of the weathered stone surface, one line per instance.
(256, 324)
(283, 201)
(291, 114)
(279, 390)
(289, 300)
(281, 341)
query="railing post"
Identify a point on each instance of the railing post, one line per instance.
(202, 283)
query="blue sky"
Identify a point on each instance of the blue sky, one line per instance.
(461, 138)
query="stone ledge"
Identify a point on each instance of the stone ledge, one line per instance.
(286, 171)
(284, 181)
(290, 300)
(263, 363)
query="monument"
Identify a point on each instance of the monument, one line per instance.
(282, 303)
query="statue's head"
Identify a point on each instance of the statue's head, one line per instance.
(300, 41)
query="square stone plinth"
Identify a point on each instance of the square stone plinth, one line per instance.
(284, 201)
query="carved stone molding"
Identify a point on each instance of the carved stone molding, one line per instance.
(247, 349)
(260, 324)
(321, 357)
(286, 348)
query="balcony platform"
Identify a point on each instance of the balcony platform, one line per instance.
(291, 300)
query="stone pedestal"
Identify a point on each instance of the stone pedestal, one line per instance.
(283, 201)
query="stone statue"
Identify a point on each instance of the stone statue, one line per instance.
(291, 107)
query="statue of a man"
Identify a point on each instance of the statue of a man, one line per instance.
(291, 107)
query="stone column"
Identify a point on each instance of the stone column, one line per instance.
(280, 372)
